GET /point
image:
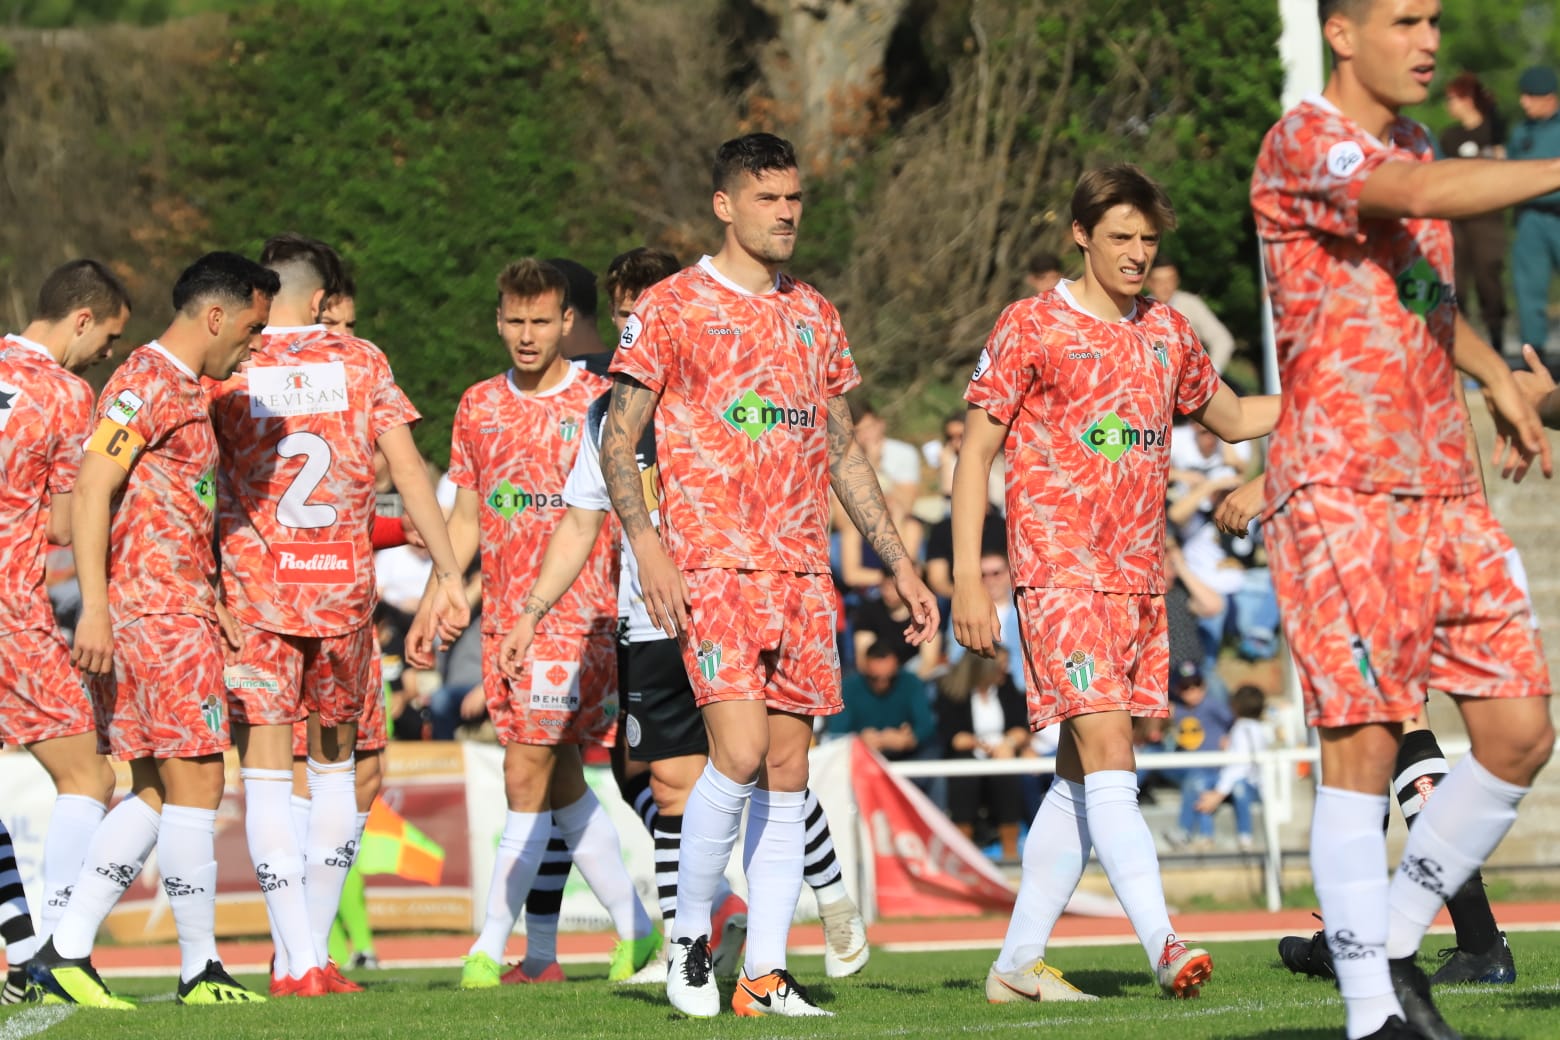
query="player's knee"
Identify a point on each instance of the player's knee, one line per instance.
(671, 795)
(786, 769)
(1533, 747)
(739, 760)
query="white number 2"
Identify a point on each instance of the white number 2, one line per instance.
(294, 508)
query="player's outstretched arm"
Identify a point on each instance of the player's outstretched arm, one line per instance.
(565, 557)
(1452, 189)
(975, 623)
(1234, 418)
(628, 413)
(1538, 386)
(856, 484)
(1241, 506)
(1519, 433)
(100, 479)
(410, 476)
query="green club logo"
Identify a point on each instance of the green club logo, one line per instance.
(1161, 354)
(804, 332)
(206, 490)
(1419, 288)
(211, 712)
(708, 657)
(568, 428)
(1080, 670)
(1362, 661)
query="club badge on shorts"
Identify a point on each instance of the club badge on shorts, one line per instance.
(708, 657)
(1080, 670)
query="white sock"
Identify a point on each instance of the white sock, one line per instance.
(1348, 869)
(519, 853)
(330, 851)
(279, 869)
(599, 858)
(300, 808)
(187, 858)
(75, 819)
(1055, 854)
(360, 824)
(1126, 850)
(114, 858)
(772, 861)
(711, 822)
(1453, 835)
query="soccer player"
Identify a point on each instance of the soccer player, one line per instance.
(45, 417)
(1080, 386)
(16, 923)
(514, 440)
(746, 370)
(664, 742)
(142, 526)
(1392, 573)
(298, 430)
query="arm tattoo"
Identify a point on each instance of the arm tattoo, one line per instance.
(856, 484)
(628, 410)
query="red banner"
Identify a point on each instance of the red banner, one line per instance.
(923, 866)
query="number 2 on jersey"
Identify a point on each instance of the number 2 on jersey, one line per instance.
(294, 509)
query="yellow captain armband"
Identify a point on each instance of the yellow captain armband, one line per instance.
(116, 442)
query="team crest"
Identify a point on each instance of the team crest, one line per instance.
(1362, 661)
(1161, 354)
(211, 711)
(708, 657)
(804, 332)
(568, 428)
(1080, 670)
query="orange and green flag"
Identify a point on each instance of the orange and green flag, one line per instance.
(391, 845)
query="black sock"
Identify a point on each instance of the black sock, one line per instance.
(546, 896)
(636, 792)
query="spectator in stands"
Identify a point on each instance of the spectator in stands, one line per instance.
(1164, 284)
(939, 537)
(1478, 243)
(1043, 272)
(997, 576)
(898, 465)
(459, 700)
(1197, 723)
(885, 706)
(881, 620)
(1198, 455)
(1239, 783)
(981, 715)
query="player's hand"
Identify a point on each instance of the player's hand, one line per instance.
(665, 591)
(1208, 801)
(93, 650)
(975, 623)
(410, 530)
(1519, 434)
(514, 651)
(925, 621)
(420, 639)
(1536, 384)
(451, 612)
(232, 631)
(1240, 507)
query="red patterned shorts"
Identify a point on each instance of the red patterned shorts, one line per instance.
(278, 679)
(763, 636)
(165, 698)
(41, 693)
(1087, 652)
(567, 694)
(1385, 597)
(372, 731)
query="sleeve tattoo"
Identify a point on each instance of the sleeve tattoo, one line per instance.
(856, 484)
(628, 410)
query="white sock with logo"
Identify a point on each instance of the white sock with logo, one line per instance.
(187, 858)
(113, 860)
(599, 858)
(711, 822)
(1126, 850)
(75, 819)
(1348, 870)
(1055, 853)
(331, 848)
(279, 869)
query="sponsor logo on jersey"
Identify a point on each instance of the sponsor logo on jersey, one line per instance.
(314, 563)
(1344, 158)
(630, 334)
(509, 501)
(123, 408)
(568, 429)
(211, 712)
(1420, 289)
(982, 365)
(708, 657)
(555, 686)
(1111, 436)
(247, 677)
(755, 416)
(722, 330)
(1080, 670)
(313, 389)
(206, 489)
(8, 396)
(1084, 355)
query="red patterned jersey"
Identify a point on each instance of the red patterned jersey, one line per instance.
(45, 416)
(1364, 316)
(154, 419)
(514, 451)
(1089, 405)
(297, 427)
(741, 429)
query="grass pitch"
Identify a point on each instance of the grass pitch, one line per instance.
(899, 995)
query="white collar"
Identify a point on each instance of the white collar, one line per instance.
(707, 265)
(31, 344)
(569, 373)
(1072, 301)
(181, 366)
(287, 330)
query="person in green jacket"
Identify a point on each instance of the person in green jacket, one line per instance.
(1535, 255)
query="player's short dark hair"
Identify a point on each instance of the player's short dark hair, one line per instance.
(582, 286)
(78, 284)
(1043, 262)
(346, 290)
(1101, 190)
(633, 272)
(223, 277)
(321, 261)
(1354, 9)
(529, 277)
(755, 154)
